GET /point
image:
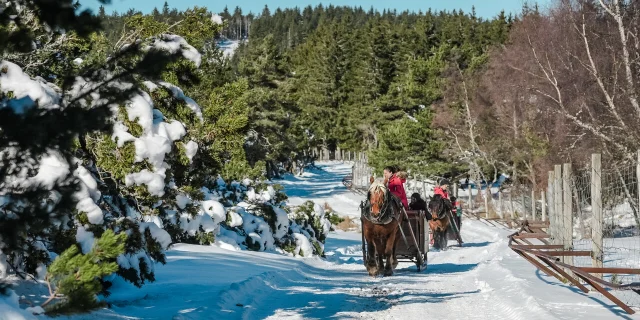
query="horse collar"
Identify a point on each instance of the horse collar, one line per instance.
(386, 213)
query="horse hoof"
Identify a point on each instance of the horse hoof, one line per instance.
(388, 273)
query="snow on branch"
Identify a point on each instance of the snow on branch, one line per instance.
(174, 44)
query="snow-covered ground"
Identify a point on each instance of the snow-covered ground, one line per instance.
(324, 186)
(482, 280)
(228, 47)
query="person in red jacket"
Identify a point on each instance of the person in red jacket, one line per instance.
(395, 185)
(443, 189)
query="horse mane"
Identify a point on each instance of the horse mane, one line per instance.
(436, 197)
(376, 185)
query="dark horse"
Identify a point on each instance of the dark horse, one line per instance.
(439, 222)
(380, 224)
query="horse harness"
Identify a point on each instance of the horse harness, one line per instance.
(386, 214)
(440, 214)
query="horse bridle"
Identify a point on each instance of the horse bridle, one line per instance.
(442, 208)
(386, 214)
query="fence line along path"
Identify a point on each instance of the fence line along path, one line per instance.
(584, 228)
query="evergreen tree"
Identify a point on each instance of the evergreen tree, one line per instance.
(266, 13)
(347, 62)
(42, 131)
(165, 10)
(411, 144)
(75, 275)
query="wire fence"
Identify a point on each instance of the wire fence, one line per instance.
(598, 212)
(621, 243)
(581, 228)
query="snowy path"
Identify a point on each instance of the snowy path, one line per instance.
(483, 280)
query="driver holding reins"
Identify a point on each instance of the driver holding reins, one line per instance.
(443, 191)
(395, 184)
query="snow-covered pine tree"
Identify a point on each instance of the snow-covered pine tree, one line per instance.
(45, 194)
(102, 136)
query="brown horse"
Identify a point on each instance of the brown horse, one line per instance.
(380, 224)
(439, 223)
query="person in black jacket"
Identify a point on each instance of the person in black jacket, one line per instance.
(417, 203)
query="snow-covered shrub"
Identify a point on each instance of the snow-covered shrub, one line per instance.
(311, 221)
(90, 153)
(250, 215)
(131, 141)
(56, 181)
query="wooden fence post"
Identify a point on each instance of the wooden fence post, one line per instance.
(470, 197)
(596, 207)
(357, 178)
(567, 212)
(487, 194)
(533, 205)
(501, 204)
(513, 212)
(557, 201)
(550, 200)
(424, 189)
(544, 206)
(362, 175)
(524, 206)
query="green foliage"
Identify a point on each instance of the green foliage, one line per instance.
(139, 241)
(335, 219)
(76, 275)
(306, 217)
(412, 145)
(197, 28)
(145, 26)
(205, 238)
(345, 77)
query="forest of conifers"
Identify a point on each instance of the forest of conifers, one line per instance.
(447, 93)
(356, 79)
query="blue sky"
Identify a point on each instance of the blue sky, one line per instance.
(484, 8)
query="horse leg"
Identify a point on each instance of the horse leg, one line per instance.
(371, 259)
(380, 246)
(389, 252)
(444, 240)
(393, 255)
